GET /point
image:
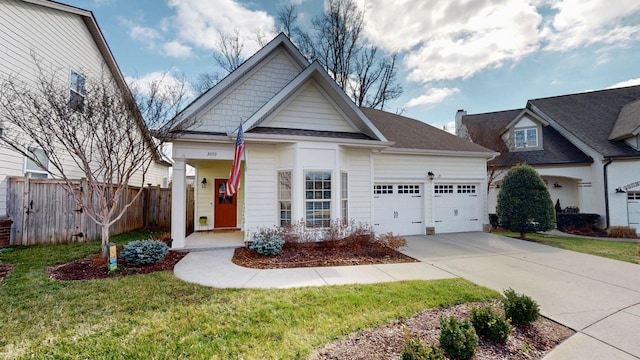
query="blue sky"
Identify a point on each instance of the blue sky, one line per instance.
(477, 55)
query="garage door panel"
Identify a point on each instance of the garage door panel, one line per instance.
(456, 208)
(633, 210)
(399, 208)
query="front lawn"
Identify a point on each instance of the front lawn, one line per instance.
(617, 250)
(158, 316)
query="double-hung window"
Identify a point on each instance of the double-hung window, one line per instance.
(344, 196)
(284, 197)
(77, 91)
(317, 198)
(526, 137)
(37, 169)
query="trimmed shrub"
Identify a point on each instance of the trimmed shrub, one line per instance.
(267, 245)
(144, 252)
(458, 339)
(582, 222)
(493, 220)
(625, 232)
(414, 349)
(491, 324)
(520, 308)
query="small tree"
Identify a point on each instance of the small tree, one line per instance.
(103, 135)
(524, 204)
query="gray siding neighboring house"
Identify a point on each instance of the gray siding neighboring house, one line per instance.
(586, 146)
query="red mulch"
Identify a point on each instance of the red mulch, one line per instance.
(326, 253)
(95, 267)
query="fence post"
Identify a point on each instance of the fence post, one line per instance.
(25, 210)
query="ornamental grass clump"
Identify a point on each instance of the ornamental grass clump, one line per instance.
(144, 252)
(520, 308)
(491, 324)
(458, 339)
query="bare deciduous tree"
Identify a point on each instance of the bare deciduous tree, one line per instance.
(229, 50)
(338, 45)
(102, 131)
(205, 81)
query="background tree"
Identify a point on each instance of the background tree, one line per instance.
(104, 134)
(337, 44)
(524, 204)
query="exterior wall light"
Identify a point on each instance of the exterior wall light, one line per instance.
(431, 175)
(204, 182)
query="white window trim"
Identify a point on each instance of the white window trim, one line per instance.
(71, 89)
(280, 199)
(329, 200)
(526, 144)
(344, 196)
(34, 171)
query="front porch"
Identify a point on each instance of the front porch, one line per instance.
(209, 240)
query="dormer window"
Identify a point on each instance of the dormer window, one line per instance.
(526, 138)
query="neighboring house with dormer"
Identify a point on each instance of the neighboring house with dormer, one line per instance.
(586, 147)
(67, 41)
(311, 154)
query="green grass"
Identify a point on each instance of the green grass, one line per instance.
(158, 316)
(617, 250)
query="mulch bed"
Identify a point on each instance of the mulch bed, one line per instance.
(326, 253)
(532, 341)
(95, 267)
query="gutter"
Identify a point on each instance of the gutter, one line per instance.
(606, 192)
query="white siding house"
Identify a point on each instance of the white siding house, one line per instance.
(312, 155)
(67, 42)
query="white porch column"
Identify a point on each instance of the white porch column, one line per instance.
(178, 204)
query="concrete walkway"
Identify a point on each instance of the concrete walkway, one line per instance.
(597, 297)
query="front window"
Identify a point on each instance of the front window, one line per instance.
(284, 197)
(37, 169)
(77, 91)
(318, 198)
(344, 196)
(526, 138)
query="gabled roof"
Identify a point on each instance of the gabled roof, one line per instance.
(336, 96)
(410, 134)
(628, 122)
(219, 90)
(92, 25)
(591, 117)
(486, 129)
(517, 118)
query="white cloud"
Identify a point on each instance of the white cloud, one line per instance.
(584, 22)
(177, 50)
(456, 39)
(166, 81)
(200, 22)
(630, 82)
(144, 34)
(433, 96)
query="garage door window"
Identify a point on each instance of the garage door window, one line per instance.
(408, 189)
(318, 198)
(466, 189)
(633, 196)
(382, 189)
(443, 189)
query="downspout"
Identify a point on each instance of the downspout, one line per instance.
(606, 192)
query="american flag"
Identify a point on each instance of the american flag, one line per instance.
(233, 184)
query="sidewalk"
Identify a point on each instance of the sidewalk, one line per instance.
(214, 268)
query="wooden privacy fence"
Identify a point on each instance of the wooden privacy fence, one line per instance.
(43, 212)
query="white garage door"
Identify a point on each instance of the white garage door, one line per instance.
(633, 209)
(456, 208)
(398, 209)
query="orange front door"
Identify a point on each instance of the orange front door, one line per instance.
(226, 209)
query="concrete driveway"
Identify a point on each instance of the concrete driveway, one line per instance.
(597, 297)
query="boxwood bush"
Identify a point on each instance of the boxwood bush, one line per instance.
(491, 324)
(414, 349)
(458, 339)
(520, 308)
(144, 252)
